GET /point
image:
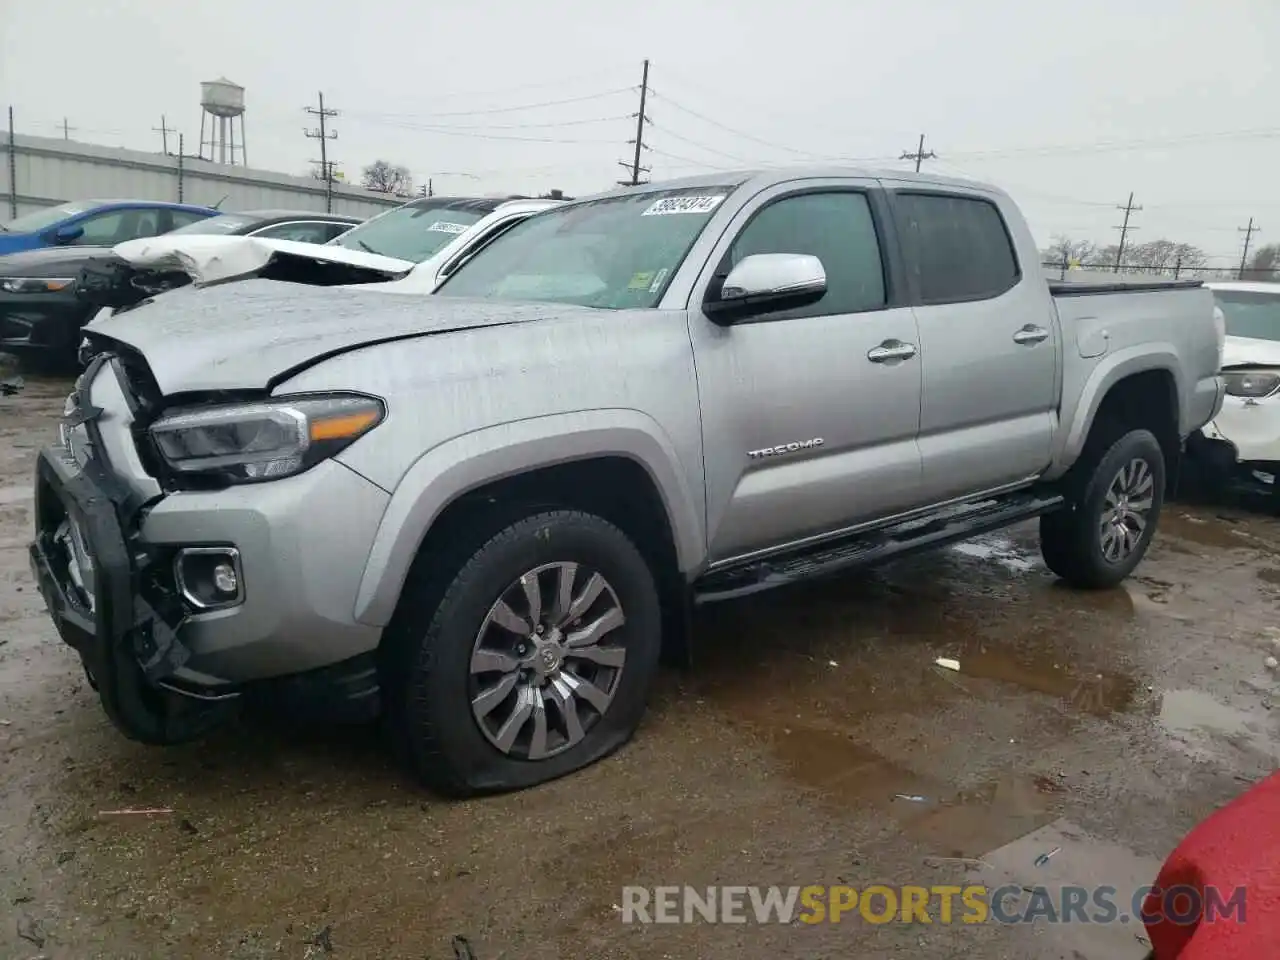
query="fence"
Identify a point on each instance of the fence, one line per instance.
(39, 172)
(1175, 271)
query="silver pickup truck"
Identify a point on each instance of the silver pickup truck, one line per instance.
(484, 514)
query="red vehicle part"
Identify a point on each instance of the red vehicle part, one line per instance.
(1237, 846)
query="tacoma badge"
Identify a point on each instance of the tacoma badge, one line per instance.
(785, 448)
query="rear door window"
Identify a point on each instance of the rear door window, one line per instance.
(956, 248)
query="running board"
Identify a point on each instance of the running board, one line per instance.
(873, 547)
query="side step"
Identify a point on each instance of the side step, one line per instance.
(873, 547)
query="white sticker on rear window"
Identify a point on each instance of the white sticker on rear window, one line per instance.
(682, 205)
(444, 226)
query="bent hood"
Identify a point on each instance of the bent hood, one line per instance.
(208, 258)
(49, 261)
(254, 334)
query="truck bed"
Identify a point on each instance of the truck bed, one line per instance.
(1095, 283)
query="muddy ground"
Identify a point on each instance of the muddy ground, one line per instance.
(1116, 720)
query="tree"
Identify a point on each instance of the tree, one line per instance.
(1264, 263)
(1161, 256)
(383, 177)
(1073, 251)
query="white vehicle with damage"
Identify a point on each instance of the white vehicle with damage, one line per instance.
(1241, 445)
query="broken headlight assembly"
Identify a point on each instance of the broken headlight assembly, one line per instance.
(1251, 384)
(36, 284)
(252, 442)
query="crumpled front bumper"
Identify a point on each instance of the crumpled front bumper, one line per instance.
(128, 643)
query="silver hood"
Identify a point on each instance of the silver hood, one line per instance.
(252, 334)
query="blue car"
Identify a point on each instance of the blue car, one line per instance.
(96, 223)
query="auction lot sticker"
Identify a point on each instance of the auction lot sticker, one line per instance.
(682, 205)
(444, 226)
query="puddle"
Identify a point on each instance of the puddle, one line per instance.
(999, 550)
(1207, 532)
(1100, 694)
(846, 774)
(1195, 719)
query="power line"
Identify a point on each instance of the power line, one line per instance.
(1248, 232)
(737, 133)
(1128, 209)
(326, 167)
(639, 140)
(701, 146)
(919, 154)
(700, 164)
(496, 110)
(489, 126)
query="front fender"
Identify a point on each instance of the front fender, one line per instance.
(466, 462)
(1110, 370)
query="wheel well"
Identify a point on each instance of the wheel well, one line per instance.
(614, 488)
(1147, 400)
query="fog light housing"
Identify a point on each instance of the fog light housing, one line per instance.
(209, 578)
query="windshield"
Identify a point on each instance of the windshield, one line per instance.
(415, 232)
(226, 223)
(616, 253)
(1249, 314)
(38, 220)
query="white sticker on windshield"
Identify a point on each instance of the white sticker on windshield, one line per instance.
(682, 205)
(658, 279)
(444, 226)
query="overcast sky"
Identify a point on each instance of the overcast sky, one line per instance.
(1068, 105)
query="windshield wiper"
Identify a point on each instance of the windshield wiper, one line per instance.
(367, 247)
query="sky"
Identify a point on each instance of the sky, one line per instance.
(1068, 106)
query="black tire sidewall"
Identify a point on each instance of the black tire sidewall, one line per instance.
(1137, 444)
(449, 748)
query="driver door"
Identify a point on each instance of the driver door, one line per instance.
(810, 376)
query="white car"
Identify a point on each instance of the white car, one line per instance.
(382, 252)
(1242, 444)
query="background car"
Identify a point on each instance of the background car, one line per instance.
(419, 229)
(1240, 447)
(300, 225)
(97, 223)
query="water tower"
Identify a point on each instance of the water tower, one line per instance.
(222, 104)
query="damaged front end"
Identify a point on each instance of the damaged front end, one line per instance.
(110, 595)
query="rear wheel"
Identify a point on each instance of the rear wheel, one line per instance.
(1112, 515)
(537, 660)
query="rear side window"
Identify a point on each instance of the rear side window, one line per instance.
(957, 248)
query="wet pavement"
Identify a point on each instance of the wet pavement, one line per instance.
(814, 742)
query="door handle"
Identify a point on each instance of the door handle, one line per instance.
(891, 350)
(1031, 334)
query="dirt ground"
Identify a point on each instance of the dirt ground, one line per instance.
(1116, 720)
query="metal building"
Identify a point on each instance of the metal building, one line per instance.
(39, 172)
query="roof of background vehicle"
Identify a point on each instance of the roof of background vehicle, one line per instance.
(1245, 286)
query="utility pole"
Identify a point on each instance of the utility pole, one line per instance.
(919, 154)
(326, 168)
(164, 130)
(66, 130)
(634, 166)
(13, 171)
(1248, 232)
(1128, 209)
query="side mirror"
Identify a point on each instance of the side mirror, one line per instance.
(68, 234)
(765, 282)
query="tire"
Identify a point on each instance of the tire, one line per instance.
(429, 675)
(1072, 540)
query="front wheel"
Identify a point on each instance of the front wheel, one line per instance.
(1105, 531)
(537, 661)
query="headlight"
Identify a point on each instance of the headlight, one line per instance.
(264, 441)
(36, 284)
(1251, 384)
